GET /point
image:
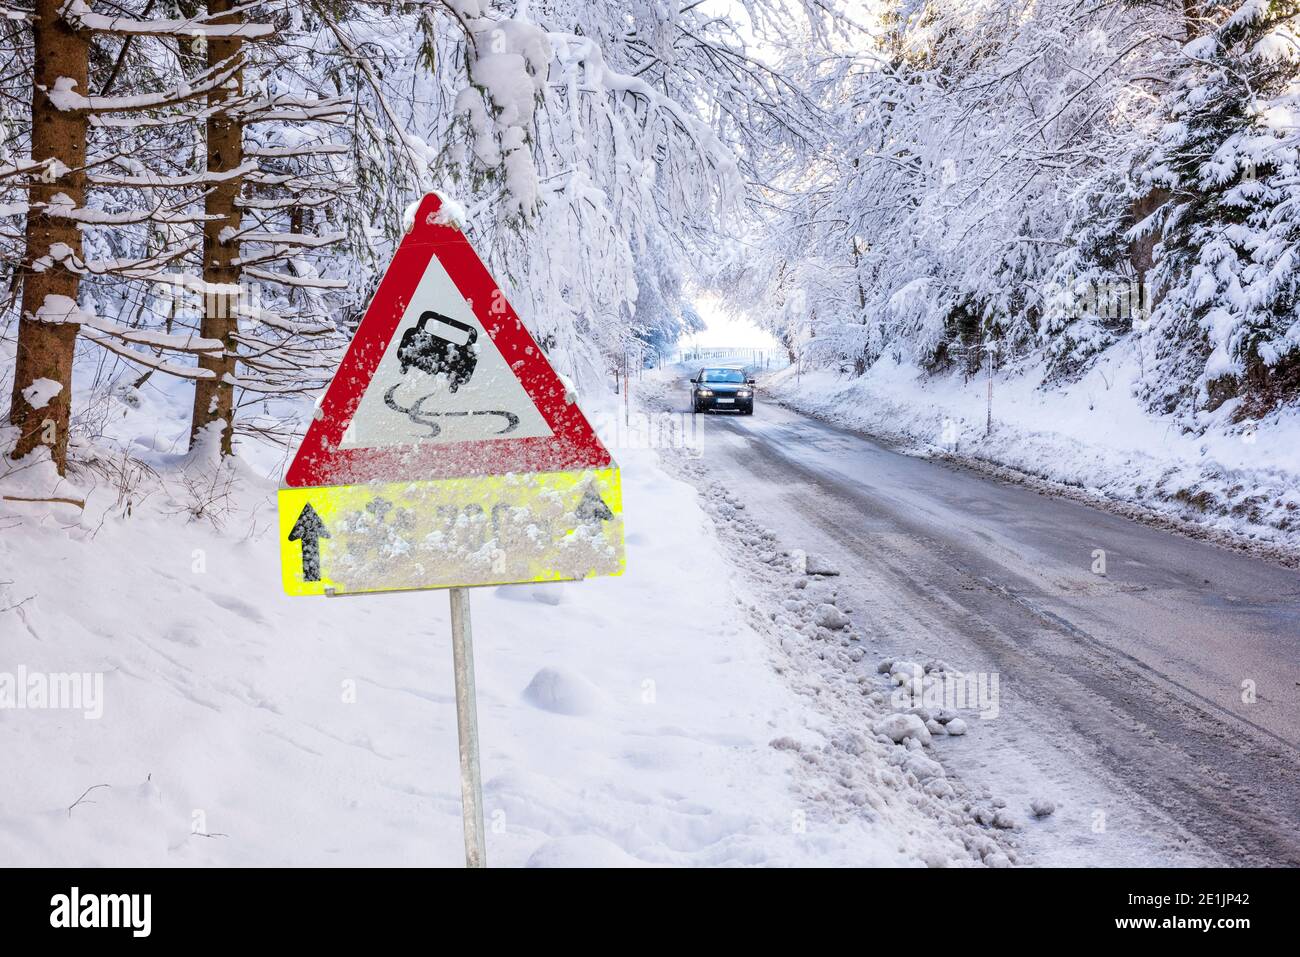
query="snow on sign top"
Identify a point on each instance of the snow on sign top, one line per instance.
(442, 380)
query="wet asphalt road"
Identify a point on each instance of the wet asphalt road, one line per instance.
(1177, 671)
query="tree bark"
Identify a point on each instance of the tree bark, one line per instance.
(214, 397)
(1141, 251)
(45, 349)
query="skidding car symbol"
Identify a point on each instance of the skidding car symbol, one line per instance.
(728, 389)
(435, 353)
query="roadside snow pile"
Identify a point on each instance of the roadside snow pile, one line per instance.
(1236, 480)
(867, 756)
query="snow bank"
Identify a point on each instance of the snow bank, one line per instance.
(1235, 482)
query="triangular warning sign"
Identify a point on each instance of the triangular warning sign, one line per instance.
(442, 380)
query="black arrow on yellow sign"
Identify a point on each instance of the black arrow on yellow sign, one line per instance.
(310, 529)
(592, 508)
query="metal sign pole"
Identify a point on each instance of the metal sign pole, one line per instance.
(471, 785)
(988, 426)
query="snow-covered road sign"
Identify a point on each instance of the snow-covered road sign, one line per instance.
(446, 451)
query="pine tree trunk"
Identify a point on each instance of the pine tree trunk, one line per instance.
(1141, 251)
(214, 397)
(45, 349)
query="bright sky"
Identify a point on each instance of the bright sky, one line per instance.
(723, 330)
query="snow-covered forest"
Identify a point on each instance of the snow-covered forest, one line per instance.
(211, 191)
(1045, 182)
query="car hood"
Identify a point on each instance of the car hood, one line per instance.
(723, 388)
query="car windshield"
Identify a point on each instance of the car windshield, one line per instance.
(722, 375)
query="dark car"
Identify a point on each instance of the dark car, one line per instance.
(728, 389)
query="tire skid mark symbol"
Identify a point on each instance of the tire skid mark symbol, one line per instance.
(417, 414)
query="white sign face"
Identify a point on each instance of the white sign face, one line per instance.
(441, 379)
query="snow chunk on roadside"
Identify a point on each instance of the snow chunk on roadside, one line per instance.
(899, 727)
(924, 768)
(1041, 807)
(40, 392)
(817, 565)
(562, 692)
(828, 616)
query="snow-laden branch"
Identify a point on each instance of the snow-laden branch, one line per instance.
(62, 207)
(153, 181)
(285, 240)
(283, 152)
(272, 203)
(282, 323)
(299, 109)
(60, 310)
(295, 182)
(156, 363)
(174, 342)
(292, 387)
(64, 95)
(146, 267)
(301, 282)
(79, 14)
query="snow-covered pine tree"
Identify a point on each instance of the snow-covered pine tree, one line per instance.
(205, 48)
(80, 251)
(174, 216)
(221, 276)
(268, 144)
(1227, 324)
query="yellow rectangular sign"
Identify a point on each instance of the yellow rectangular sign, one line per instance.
(448, 533)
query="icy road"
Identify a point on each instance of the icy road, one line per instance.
(1163, 695)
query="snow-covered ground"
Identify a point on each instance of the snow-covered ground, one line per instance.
(637, 720)
(1235, 482)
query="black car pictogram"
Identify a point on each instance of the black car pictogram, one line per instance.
(434, 353)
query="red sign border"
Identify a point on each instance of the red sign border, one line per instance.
(319, 460)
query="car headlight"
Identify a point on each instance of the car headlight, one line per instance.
(744, 393)
(706, 392)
